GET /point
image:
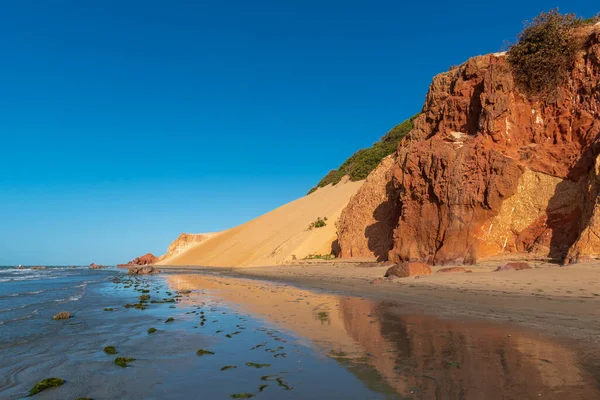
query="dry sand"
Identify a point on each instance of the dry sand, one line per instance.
(278, 236)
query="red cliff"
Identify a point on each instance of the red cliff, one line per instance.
(488, 170)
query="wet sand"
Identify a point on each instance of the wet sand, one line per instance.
(405, 353)
(274, 340)
(559, 301)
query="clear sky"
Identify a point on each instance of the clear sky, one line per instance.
(124, 123)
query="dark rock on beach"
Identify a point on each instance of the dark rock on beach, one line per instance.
(143, 270)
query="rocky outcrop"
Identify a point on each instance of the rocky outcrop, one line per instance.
(184, 242)
(143, 270)
(587, 244)
(406, 269)
(96, 266)
(487, 170)
(366, 224)
(515, 266)
(146, 259)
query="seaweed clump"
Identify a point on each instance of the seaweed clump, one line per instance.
(123, 361)
(256, 365)
(46, 384)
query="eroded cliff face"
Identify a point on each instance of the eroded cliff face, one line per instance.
(488, 170)
(182, 243)
(366, 224)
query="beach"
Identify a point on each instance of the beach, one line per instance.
(561, 301)
(295, 332)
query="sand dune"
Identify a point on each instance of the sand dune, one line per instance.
(280, 235)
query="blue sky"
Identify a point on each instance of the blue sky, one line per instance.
(125, 123)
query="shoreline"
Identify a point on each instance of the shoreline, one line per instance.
(555, 301)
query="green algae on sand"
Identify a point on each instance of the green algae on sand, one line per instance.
(46, 384)
(257, 365)
(242, 396)
(123, 361)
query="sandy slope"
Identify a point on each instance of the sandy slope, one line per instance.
(275, 237)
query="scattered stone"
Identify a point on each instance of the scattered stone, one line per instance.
(225, 368)
(406, 269)
(376, 281)
(62, 315)
(108, 309)
(454, 269)
(170, 319)
(515, 266)
(143, 270)
(202, 352)
(242, 396)
(152, 330)
(38, 268)
(46, 384)
(110, 350)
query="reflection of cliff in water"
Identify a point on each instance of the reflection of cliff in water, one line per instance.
(429, 358)
(413, 356)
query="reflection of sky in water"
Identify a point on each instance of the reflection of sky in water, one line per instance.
(412, 355)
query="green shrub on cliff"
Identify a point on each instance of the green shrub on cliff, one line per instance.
(544, 54)
(361, 163)
(590, 21)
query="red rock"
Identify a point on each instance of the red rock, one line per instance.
(143, 270)
(516, 266)
(146, 259)
(96, 266)
(454, 269)
(488, 171)
(407, 269)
